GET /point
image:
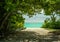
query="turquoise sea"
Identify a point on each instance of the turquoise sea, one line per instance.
(34, 25)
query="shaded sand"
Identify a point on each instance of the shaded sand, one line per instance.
(39, 31)
(35, 35)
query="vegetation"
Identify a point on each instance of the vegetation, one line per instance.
(11, 12)
(52, 22)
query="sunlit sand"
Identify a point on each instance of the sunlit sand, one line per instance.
(40, 31)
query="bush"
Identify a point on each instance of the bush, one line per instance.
(55, 25)
(52, 23)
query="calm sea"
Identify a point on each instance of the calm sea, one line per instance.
(34, 25)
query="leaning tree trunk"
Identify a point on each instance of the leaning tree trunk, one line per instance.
(4, 20)
(3, 26)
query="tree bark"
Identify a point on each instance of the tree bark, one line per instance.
(4, 20)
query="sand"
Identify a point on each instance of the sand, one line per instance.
(40, 31)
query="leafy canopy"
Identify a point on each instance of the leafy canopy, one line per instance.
(11, 12)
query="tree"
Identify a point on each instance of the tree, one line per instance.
(52, 22)
(9, 11)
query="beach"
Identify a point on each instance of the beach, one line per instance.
(35, 35)
(39, 31)
(44, 35)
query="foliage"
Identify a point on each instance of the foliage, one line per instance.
(52, 23)
(10, 18)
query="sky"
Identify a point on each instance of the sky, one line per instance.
(36, 18)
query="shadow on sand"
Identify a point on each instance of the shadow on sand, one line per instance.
(29, 36)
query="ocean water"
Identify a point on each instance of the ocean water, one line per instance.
(33, 25)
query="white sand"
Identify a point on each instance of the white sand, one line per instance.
(40, 31)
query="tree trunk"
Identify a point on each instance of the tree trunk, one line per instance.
(4, 20)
